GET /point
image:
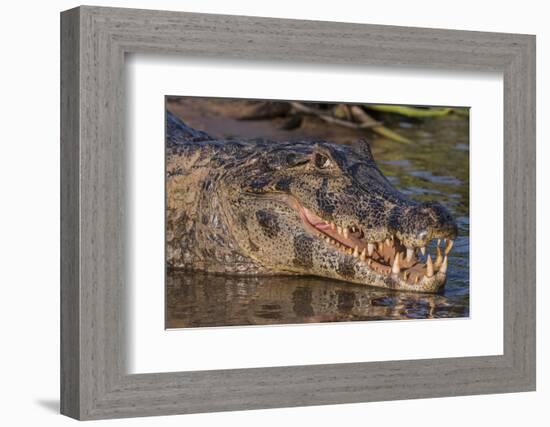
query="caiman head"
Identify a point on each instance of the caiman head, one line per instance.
(318, 208)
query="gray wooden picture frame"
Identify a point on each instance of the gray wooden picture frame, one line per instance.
(94, 381)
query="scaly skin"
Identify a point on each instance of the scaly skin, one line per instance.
(311, 208)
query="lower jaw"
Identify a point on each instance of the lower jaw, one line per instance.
(429, 285)
(362, 275)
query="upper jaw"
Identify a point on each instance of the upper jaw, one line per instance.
(418, 224)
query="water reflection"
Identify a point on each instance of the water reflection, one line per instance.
(199, 299)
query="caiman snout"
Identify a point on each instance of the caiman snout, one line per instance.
(417, 225)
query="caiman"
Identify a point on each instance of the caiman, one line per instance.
(260, 207)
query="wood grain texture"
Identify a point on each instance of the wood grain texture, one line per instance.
(95, 274)
(70, 291)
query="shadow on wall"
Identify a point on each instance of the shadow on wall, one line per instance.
(52, 405)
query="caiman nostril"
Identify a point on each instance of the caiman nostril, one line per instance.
(415, 225)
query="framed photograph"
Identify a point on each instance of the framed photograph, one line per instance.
(262, 213)
(289, 228)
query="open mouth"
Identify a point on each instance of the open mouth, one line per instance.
(388, 257)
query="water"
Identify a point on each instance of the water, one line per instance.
(198, 299)
(434, 167)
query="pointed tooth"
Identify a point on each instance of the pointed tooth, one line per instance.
(444, 265)
(395, 267)
(363, 255)
(410, 254)
(370, 248)
(449, 246)
(380, 246)
(438, 242)
(339, 229)
(405, 274)
(369, 262)
(346, 232)
(423, 250)
(388, 242)
(415, 280)
(333, 226)
(439, 258)
(429, 266)
(356, 252)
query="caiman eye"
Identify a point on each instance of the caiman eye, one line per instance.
(321, 161)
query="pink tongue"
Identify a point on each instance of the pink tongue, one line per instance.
(315, 220)
(311, 217)
(322, 226)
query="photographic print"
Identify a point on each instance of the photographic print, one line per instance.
(286, 212)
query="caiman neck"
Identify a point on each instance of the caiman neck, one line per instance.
(199, 236)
